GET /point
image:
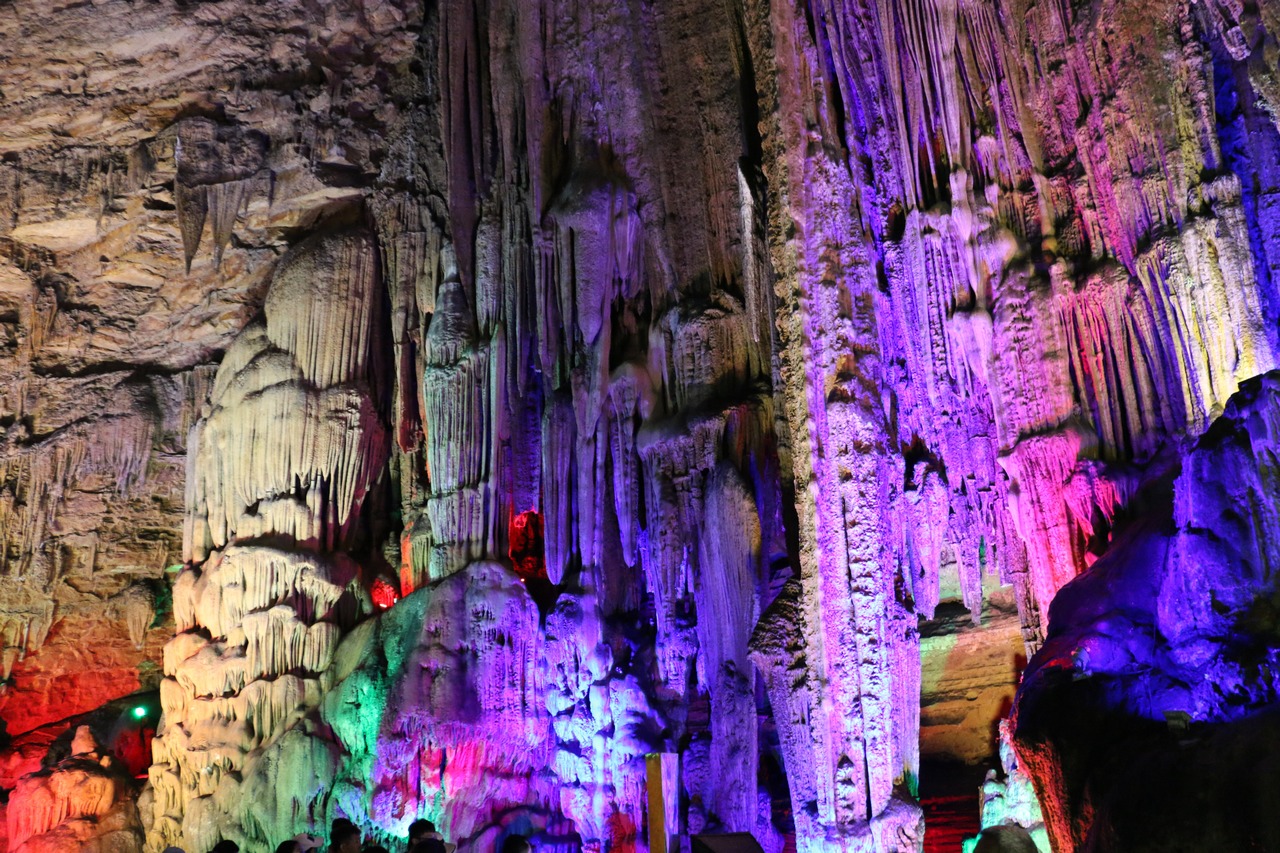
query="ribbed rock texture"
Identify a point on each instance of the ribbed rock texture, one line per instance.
(481, 395)
(285, 473)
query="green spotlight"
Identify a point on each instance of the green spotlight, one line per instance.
(140, 711)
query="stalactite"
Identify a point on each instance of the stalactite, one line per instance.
(557, 442)
(23, 630)
(410, 254)
(136, 608)
(224, 201)
(193, 208)
(630, 395)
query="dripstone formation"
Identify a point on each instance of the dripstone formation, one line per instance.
(462, 409)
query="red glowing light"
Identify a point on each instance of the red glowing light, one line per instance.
(526, 549)
(384, 594)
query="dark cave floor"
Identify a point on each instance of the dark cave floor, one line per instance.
(949, 794)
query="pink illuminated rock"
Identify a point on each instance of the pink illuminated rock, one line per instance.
(1155, 686)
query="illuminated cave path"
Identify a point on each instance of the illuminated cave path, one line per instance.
(949, 797)
(949, 821)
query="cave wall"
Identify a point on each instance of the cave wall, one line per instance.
(1023, 264)
(111, 342)
(1155, 690)
(670, 362)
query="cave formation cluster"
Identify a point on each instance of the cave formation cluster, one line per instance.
(461, 409)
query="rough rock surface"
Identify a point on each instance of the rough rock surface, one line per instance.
(124, 131)
(1155, 690)
(82, 802)
(731, 332)
(968, 676)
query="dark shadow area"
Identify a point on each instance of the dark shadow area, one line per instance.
(949, 794)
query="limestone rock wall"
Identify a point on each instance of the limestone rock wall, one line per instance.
(668, 362)
(127, 133)
(1021, 264)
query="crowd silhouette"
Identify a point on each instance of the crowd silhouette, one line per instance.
(345, 837)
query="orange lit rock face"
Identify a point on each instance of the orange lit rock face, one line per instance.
(87, 660)
(85, 801)
(967, 684)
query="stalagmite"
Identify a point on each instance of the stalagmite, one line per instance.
(82, 801)
(292, 449)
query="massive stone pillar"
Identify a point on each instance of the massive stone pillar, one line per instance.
(283, 468)
(1007, 288)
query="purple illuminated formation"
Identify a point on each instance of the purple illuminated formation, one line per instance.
(585, 419)
(1148, 720)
